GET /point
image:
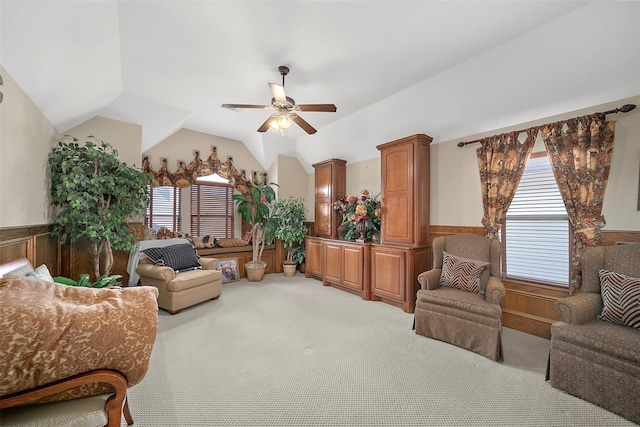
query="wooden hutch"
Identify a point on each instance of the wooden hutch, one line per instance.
(387, 271)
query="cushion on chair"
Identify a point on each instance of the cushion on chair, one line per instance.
(461, 273)
(599, 336)
(621, 298)
(459, 299)
(192, 279)
(179, 257)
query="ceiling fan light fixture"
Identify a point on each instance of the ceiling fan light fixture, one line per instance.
(284, 121)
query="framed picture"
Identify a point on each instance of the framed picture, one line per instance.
(229, 269)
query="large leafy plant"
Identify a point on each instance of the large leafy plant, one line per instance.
(95, 194)
(255, 207)
(289, 215)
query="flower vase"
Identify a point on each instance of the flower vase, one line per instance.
(343, 229)
(361, 232)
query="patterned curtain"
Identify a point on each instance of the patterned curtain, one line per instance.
(501, 161)
(580, 151)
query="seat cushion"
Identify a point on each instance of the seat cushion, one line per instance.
(463, 300)
(601, 336)
(192, 279)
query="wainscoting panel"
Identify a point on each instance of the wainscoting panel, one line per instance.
(34, 243)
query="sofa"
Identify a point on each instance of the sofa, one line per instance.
(69, 352)
(178, 287)
(595, 359)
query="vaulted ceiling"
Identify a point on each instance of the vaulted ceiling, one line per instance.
(169, 65)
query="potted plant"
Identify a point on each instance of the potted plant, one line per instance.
(95, 194)
(289, 216)
(299, 254)
(254, 206)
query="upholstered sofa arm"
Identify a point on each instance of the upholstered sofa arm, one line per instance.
(209, 263)
(157, 272)
(579, 309)
(495, 291)
(56, 331)
(430, 279)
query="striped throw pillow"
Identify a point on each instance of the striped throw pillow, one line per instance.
(461, 273)
(621, 298)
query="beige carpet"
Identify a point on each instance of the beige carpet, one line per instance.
(288, 351)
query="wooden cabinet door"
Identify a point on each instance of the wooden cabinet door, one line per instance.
(388, 277)
(323, 202)
(353, 266)
(330, 182)
(332, 262)
(314, 259)
(397, 203)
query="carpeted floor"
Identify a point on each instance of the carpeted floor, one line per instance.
(288, 351)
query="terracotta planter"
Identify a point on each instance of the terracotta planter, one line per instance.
(289, 269)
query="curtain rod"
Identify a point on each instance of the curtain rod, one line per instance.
(624, 109)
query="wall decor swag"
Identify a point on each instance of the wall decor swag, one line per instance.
(187, 175)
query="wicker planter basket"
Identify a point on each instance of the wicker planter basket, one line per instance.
(255, 270)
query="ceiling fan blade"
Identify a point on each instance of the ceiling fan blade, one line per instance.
(330, 108)
(234, 106)
(278, 92)
(265, 126)
(303, 124)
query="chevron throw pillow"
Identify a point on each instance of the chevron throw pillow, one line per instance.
(461, 273)
(621, 298)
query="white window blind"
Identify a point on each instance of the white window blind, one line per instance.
(212, 210)
(536, 229)
(164, 208)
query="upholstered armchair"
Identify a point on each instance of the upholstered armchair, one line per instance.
(182, 278)
(595, 359)
(459, 300)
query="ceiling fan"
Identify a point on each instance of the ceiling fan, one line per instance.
(286, 109)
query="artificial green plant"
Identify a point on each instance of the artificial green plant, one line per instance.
(255, 207)
(289, 215)
(95, 194)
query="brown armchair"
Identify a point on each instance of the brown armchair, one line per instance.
(469, 320)
(597, 360)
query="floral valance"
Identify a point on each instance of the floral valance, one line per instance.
(187, 175)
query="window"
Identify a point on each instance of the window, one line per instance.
(164, 208)
(535, 235)
(212, 210)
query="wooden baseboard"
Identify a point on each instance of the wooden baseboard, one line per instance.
(527, 323)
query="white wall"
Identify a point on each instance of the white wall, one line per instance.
(126, 138)
(455, 182)
(26, 138)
